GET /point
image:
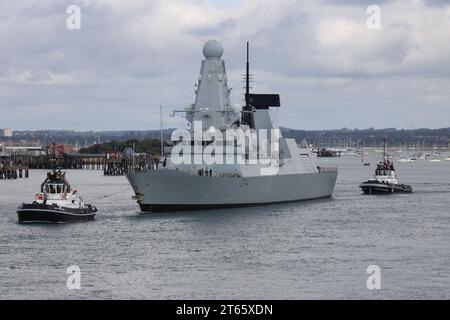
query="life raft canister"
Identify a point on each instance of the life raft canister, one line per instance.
(39, 196)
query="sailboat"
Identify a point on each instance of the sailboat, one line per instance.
(366, 164)
(404, 159)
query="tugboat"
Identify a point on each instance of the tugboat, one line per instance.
(385, 180)
(56, 203)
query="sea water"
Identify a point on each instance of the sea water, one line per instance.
(317, 249)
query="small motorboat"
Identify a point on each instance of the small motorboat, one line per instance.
(384, 180)
(56, 203)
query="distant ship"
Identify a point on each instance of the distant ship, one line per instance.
(385, 179)
(56, 203)
(174, 186)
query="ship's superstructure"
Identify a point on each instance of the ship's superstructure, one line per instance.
(229, 157)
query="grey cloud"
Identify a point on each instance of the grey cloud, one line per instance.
(117, 70)
(380, 2)
(220, 28)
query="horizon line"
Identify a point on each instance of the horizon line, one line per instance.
(174, 128)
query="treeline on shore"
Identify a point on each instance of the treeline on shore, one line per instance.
(149, 139)
(148, 146)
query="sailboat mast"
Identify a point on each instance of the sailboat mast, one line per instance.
(362, 154)
(161, 131)
(134, 151)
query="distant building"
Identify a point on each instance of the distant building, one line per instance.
(59, 149)
(7, 132)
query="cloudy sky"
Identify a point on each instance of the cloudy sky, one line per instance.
(131, 56)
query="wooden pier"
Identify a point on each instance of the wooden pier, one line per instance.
(9, 172)
(18, 166)
(118, 167)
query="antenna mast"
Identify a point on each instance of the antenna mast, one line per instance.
(247, 112)
(247, 78)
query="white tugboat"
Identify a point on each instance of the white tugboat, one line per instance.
(385, 179)
(56, 202)
(191, 185)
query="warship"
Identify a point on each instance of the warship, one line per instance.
(242, 175)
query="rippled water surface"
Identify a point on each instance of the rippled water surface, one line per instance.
(312, 250)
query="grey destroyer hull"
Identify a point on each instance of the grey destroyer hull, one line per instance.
(169, 190)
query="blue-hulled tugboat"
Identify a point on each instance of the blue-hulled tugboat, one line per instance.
(56, 203)
(385, 179)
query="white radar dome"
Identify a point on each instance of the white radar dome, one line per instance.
(213, 49)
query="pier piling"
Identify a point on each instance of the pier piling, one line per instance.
(18, 166)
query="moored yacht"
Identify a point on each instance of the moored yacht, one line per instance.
(56, 202)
